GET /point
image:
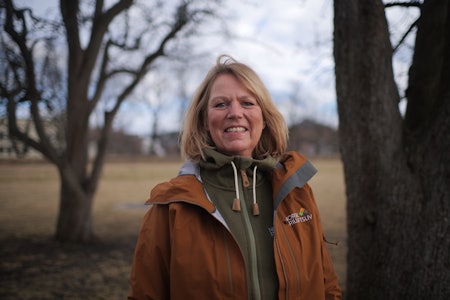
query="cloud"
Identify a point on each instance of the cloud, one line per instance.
(288, 42)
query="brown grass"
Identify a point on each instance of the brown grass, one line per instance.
(33, 266)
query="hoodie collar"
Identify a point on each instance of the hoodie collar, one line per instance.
(222, 165)
(216, 160)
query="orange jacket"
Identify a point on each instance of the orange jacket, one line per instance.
(184, 252)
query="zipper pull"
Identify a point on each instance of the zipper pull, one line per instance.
(245, 180)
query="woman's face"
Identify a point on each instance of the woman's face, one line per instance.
(234, 118)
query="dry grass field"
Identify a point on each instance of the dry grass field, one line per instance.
(33, 266)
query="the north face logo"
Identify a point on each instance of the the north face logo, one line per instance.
(299, 217)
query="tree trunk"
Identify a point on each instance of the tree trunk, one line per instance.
(75, 211)
(397, 178)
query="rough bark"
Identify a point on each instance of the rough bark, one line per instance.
(397, 177)
(75, 211)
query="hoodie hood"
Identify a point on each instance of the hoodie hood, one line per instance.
(216, 160)
(223, 171)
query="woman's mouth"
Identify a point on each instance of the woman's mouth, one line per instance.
(235, 129)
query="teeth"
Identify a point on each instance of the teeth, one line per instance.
(235, 129)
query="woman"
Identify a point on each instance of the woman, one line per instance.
(240, 220)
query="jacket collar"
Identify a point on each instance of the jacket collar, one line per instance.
(186, 187)
(293, 170)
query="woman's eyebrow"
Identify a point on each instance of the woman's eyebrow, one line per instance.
(246, 97)
(220, 97)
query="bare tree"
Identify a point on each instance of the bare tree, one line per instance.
(102, 49)
(296, 104)
(396, 167)
(154, 101)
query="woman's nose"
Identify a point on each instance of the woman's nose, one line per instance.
(235, 110)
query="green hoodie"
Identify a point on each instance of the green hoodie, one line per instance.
(253, 233)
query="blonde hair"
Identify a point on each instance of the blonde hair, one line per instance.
(195, 137)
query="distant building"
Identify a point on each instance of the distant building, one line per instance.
(120, 144)
(313, 139)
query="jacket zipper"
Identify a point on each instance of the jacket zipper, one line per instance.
(253, 260)
(283, 267)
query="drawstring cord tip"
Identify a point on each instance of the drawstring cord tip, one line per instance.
(255, 209)
(236, 205)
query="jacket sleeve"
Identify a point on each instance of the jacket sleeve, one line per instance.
(149, 278)
(332, 289)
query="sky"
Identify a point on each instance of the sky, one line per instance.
(287, 42)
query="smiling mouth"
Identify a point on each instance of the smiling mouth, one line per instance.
(235, 129)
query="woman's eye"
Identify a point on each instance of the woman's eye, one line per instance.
(248, 103)
(219, 105)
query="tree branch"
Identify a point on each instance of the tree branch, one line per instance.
(20, 39)
(415, 3)
(69, 12)
(414, 24)
(182, 18)
(102, 80)
(31, 93)
(99, 27)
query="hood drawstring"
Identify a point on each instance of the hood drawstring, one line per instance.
(255, 204)
(236, 202)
